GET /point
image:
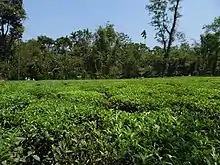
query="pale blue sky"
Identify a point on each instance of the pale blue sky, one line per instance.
(56, 18)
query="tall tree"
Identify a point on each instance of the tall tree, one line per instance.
(12, 15)
(210, 46)
(165, 15)
(105, 41)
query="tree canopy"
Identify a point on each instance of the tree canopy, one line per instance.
(105, 52)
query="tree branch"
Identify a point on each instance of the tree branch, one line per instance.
(164, 42)
(166, 28)
(175, 17)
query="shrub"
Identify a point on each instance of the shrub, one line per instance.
(141, 121)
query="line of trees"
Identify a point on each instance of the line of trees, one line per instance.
(106, 53)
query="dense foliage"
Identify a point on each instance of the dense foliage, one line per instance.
(12, 15)
(106, 53)
(145, 121)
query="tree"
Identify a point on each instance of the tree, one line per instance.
(210, 46)
(82, 41)
(63, 45)
(106, 53)
(12, 15)
(165, 16)
(46, 42)
(132, 60)
(106, 39)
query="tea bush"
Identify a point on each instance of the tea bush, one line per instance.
(147, 121)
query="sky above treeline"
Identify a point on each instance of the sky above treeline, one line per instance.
(56, 18)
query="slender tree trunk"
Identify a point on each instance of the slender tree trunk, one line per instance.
(214, 67)
(170, 40)
(165, 66)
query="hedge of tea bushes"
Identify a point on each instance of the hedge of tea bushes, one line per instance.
(148, 121)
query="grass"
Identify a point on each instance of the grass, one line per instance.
(139, 121)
